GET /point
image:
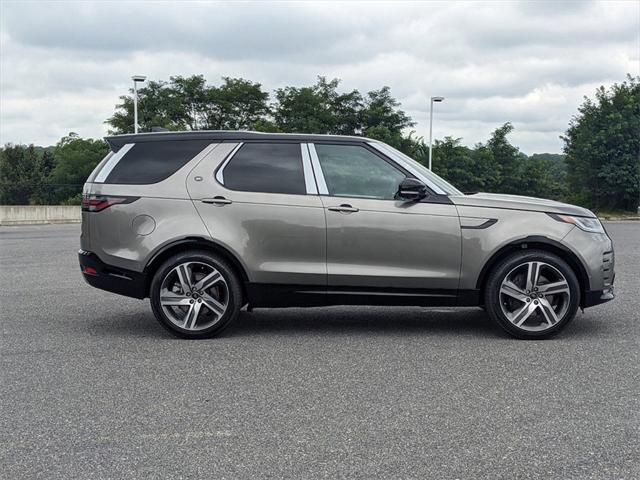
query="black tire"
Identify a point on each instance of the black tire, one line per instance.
(509, 264)
(233, 294)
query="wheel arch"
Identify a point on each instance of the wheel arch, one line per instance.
(538, 243)
(194, 243)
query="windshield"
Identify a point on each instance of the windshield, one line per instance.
(436, 183)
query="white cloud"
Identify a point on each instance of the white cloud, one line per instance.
(64, 64)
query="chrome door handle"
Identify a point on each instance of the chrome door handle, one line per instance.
(219, 201)
(344, 208)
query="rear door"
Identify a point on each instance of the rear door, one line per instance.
(259, 200)
(375, 241)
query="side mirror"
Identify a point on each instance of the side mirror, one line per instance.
(412, 189)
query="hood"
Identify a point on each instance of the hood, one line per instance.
(517, 202)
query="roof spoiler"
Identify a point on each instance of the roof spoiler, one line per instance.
(116, 142)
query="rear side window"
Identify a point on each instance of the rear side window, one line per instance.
(152, 162)
(266, 167)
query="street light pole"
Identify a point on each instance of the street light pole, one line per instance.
(135, 111)
(433, 99)
(136, 79)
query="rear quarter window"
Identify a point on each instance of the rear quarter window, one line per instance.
(152, 162)
(99, 167)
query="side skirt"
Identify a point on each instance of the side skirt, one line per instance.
(262, 295)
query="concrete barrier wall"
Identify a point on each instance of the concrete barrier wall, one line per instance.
(35, 214)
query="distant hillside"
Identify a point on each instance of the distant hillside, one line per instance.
(41, 150)
(554, 157)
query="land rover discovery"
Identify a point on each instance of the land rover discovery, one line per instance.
(206, 223)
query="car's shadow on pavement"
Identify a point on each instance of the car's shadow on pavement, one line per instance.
(389, 320)
(340, 321)
(362, 320)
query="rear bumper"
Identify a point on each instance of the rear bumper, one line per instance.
(116, 280)
(596, 297)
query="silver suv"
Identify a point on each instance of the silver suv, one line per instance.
(206, 223)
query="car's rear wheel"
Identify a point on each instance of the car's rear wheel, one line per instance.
(195, 295)
(532, 294)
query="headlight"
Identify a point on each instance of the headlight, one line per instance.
(591, 225)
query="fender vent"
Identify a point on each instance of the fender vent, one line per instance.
(607, 268)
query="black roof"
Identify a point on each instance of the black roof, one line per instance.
(117, 141)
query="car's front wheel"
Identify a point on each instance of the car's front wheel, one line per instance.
(195, 294)
(532, 294)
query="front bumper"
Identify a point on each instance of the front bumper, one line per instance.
(116, 280)
(596, 297)
(596, 256)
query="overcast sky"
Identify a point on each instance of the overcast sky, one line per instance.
(64, 64)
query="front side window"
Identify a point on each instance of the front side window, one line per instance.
(354, 171)
(266, 167)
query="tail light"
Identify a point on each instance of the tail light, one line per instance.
(97, 203)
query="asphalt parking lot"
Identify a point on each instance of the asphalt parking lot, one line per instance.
(92, 387)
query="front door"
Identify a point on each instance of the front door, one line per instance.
(378, 243)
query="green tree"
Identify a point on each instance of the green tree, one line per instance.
(265, 125)
(43, 192)
(306, 109)
(158, 106)
(602, 145)
(407, 144)
(345, 108)
(381, 110)
(191, 97)
(20, 176)
(320, 108)
(237, 104)
(554, 174)
(382, 120)
(47, 162)
(75, 159)
(508, 160)
(477, 169)
(487, 168)
(187, 103)
(469, 169)
(454, 162)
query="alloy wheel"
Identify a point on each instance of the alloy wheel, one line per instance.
(534, 296)
(194, 296)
